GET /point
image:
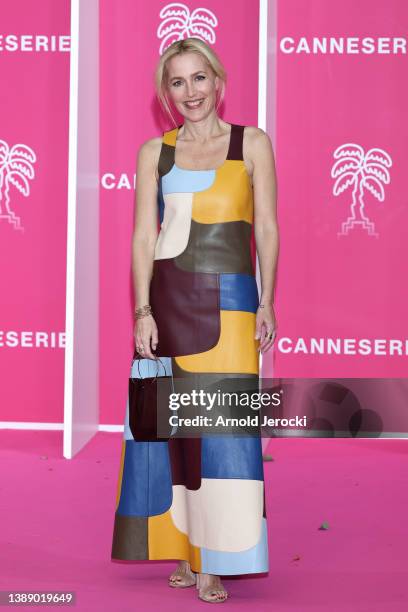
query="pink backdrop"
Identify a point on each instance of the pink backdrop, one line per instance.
(33, 167)
(349, 286)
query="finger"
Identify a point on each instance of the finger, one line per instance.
(258, 329)
(264, 334)
(269, 336)
(138, 343)
(265, 330)
(141, 345)
(147, 350)
(269, 342)
(155, 339)
(261, 339)
(140, 349)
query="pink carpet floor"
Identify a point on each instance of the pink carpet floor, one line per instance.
(56, 519)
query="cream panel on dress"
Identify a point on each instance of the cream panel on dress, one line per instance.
(175, 228)
(222, 515)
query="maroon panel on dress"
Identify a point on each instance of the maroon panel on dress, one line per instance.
(185, 461)
(186, 308)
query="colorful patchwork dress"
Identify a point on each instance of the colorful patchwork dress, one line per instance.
(199, 499)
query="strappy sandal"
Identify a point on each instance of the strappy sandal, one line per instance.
(211, 594)
(182, 579)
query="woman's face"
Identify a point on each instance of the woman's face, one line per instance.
(192, 85)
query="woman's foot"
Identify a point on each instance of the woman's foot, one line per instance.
(182, 576)
(210, 588)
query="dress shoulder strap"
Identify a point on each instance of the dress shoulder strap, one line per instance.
(167, 152)
(236, 142)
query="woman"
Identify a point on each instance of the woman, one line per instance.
(199, 500)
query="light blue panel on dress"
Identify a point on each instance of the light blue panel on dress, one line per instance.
(251, 561)
(146, 488)
(187, 181)
(238, 292)
(232, 457)
(127, 434)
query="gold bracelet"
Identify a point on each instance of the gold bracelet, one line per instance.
(143, 311)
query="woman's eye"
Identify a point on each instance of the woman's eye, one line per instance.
(199, 76)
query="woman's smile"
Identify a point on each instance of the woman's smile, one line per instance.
(194, 103)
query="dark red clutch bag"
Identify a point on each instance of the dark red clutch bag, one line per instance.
(148, 408)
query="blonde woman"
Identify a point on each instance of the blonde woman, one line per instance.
(202, 189)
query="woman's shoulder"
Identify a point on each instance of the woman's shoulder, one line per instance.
(256, 140)
(151, 144)
(149, 151)
(252, 132)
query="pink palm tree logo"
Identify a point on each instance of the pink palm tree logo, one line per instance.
(16, 169)
(362, 172)
(178, 23)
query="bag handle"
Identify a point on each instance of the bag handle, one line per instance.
(157, 373)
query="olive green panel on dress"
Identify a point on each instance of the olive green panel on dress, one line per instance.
(130, 538)
(204, 379)
(217, 247)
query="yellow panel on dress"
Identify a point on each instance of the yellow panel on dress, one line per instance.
(235, 351)
(169, 138)
(165, 541)
(229, 198)
(122, 461)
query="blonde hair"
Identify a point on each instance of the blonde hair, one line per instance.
(179, 47)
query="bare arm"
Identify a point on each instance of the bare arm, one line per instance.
(144, 240)
(266, 230)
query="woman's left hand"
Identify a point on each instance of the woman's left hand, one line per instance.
(265, 327)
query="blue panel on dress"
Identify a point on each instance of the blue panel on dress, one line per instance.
(160, 201)
(146, 488)
(187, 181)
(251, 561)
(231, 457)
(238, 292)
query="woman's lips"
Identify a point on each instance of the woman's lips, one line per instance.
(192, 105)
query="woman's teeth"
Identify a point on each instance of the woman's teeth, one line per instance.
(194, 104)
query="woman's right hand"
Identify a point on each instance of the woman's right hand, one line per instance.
(146, 336)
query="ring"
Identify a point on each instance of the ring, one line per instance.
(270, 335)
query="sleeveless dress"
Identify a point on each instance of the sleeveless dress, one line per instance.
(199, 499)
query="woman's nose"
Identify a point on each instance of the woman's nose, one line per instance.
(190, 89)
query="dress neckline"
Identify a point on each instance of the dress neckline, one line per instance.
(208, 169)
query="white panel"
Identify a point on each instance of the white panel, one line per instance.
(81, 401)
(267, 95)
